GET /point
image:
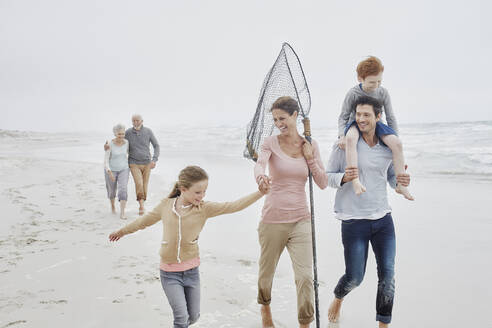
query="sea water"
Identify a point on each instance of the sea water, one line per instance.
(461, 150)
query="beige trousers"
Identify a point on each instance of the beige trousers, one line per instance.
(274, 237)
(141, 174)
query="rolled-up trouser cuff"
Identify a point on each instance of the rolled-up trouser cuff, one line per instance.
(383, 318)
(305, 321)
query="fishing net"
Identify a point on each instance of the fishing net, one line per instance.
(285, 78)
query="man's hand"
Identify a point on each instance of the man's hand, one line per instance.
(351, 173)
(307, 150)
(152, 165)
(342, 143)
(403, 179)
(106, 146)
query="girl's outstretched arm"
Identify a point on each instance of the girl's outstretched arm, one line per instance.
(142, 222)
(214, 208)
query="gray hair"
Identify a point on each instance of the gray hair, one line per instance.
(118, 127)
(138, 116)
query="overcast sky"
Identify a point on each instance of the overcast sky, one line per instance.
(86, 65)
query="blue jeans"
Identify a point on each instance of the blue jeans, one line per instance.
(183, 293)
(356, 235)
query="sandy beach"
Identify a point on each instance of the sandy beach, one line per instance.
(58, 268)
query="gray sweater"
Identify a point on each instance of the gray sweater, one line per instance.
(375, 170)
(139, 150)
(348, 111)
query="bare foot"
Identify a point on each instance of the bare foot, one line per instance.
(266, 317)
(358, 187)
(123, 216)
(334, 309)
(404, 191)
(141, 209)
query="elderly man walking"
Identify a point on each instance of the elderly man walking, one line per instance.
(139, 157)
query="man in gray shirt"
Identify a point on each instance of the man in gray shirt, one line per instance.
(139, 158)
(366, 217)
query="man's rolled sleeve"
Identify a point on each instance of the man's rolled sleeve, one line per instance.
(335, 169)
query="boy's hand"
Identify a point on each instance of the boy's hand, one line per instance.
(341, 142)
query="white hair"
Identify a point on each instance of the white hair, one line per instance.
(137, 116)
(118, 127)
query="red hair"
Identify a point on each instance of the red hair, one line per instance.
(369, 66)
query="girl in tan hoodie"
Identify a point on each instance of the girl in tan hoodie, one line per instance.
(183, 214)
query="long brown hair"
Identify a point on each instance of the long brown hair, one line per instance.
(287, 104)
(187, 177)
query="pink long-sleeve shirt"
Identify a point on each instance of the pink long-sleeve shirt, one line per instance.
(287, 202)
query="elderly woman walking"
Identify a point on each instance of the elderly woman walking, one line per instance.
(285, 217)
(116, 169)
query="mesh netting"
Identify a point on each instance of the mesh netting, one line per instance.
(285, 78)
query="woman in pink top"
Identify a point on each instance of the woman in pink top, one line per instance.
(285, 216)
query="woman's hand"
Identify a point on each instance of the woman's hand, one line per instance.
(264, 188)
(115, 236)
(307, 150)
(264, 184)
(106, 146)
(111, 176)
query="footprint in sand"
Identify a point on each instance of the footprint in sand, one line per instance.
(14, 323)
(123, 281)
(54, 302)
(247, 263)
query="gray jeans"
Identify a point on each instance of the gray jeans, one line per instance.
(183, 293)
(120, 183)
